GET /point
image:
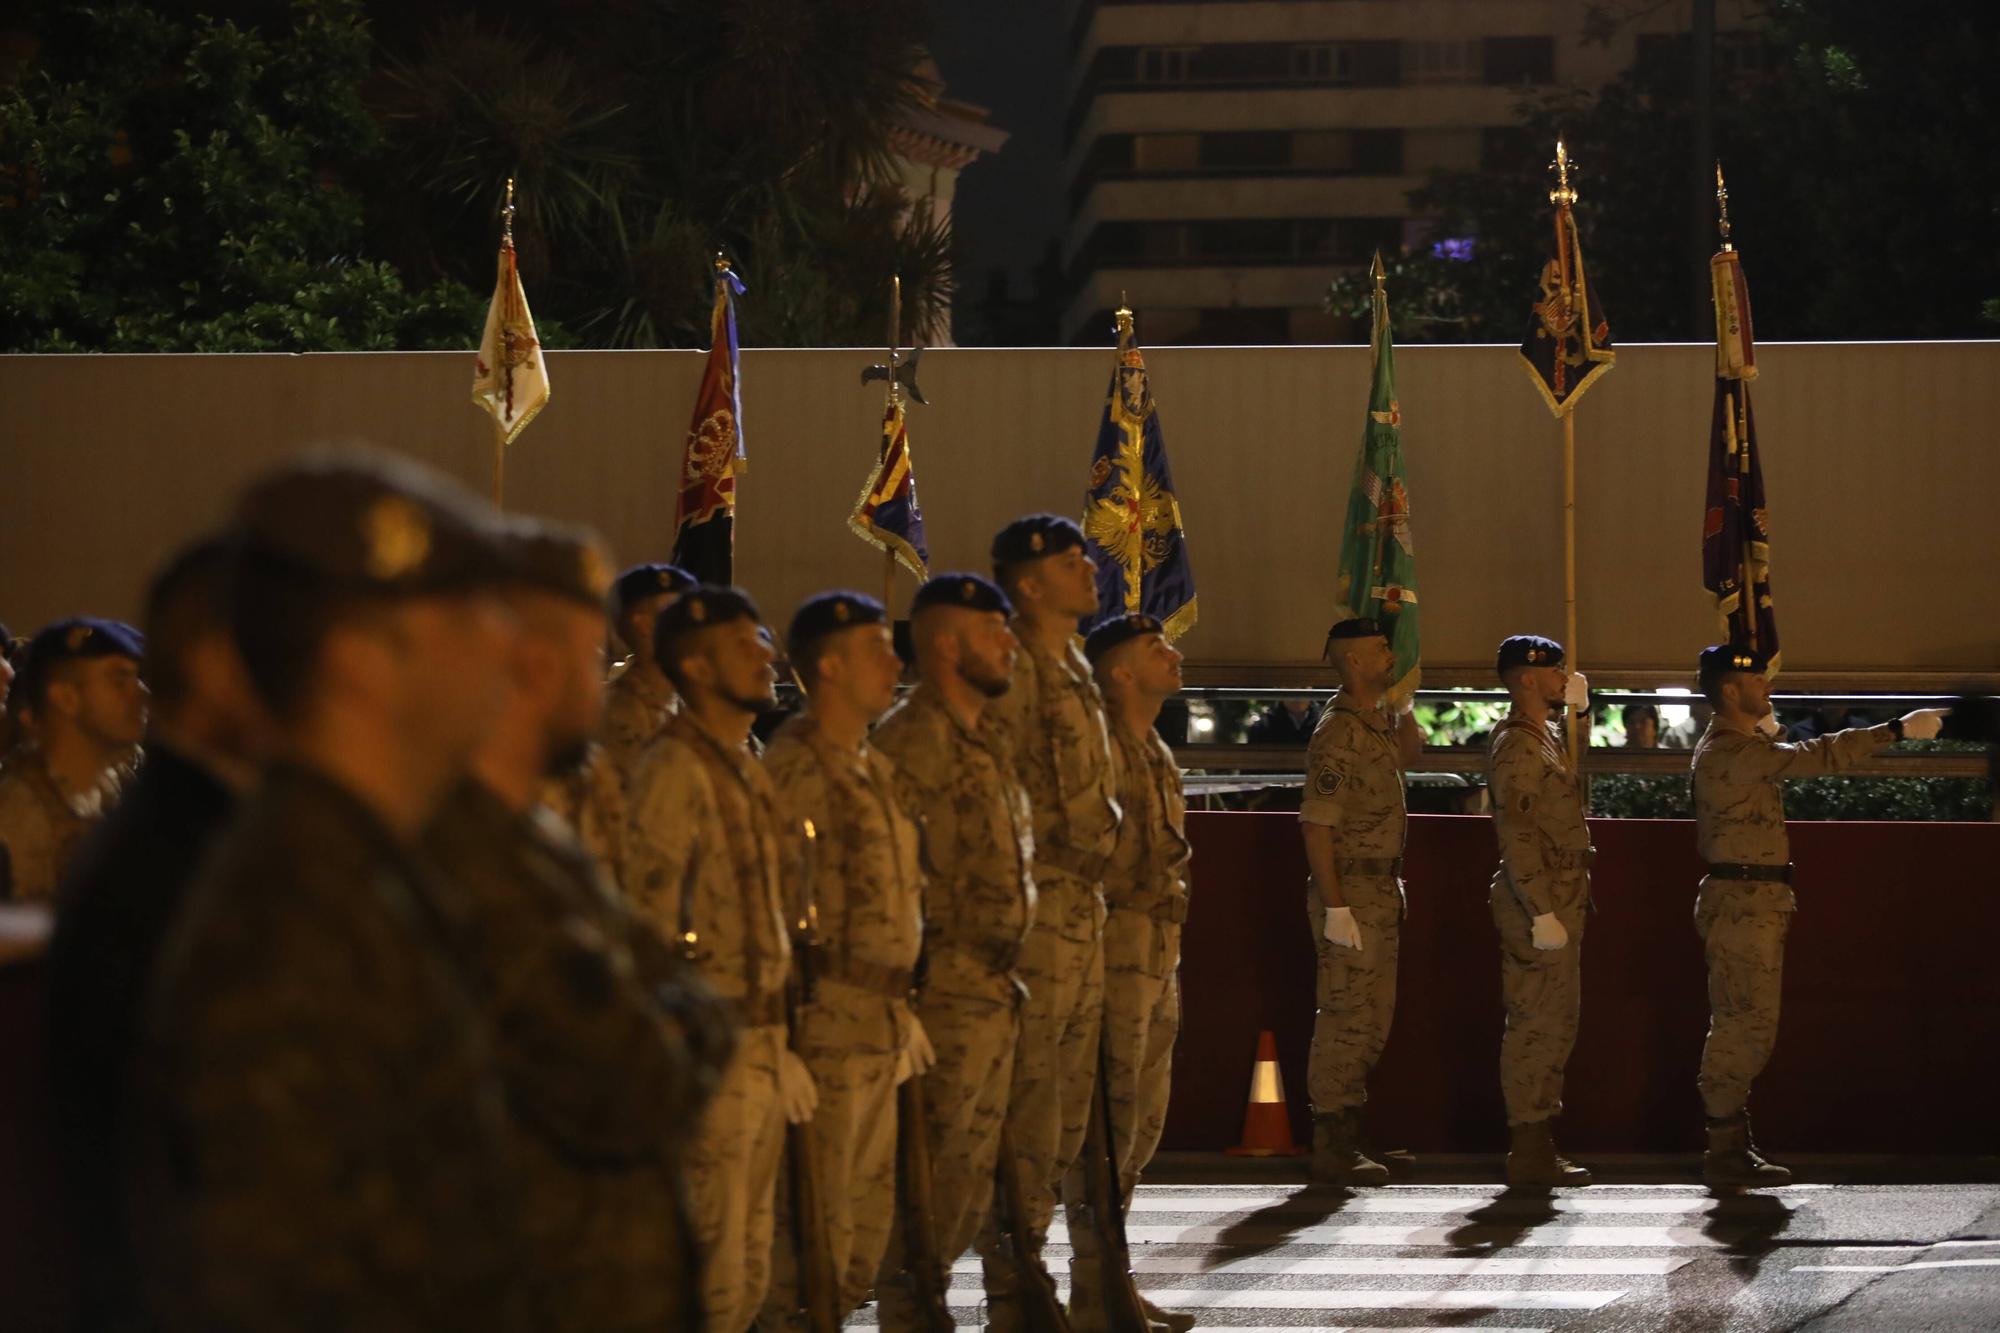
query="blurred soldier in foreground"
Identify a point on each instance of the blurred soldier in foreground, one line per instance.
(208, 736)
(1745, 906)
(81, 684)
(954, 775)
(1540, 895)
(1054, 721)
(1146, 892)
(10, 729)
(1353, 821)
(703, 856)
(324, 1140)
(600, 1078)
(860, 1037)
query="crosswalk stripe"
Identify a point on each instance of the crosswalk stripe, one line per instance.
(1151, 1202)
(865, 1319)
(1897, 1268)
(1545, 1236)
(1363, 1298)
(1645, 1265)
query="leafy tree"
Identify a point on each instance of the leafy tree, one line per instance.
(178, 184)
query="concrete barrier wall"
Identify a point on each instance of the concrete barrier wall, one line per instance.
(1881, 460)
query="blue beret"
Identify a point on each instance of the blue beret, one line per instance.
(1112, 631)
(557, 558)
(968, 591)
(704, 606)
(829, 613)
(1034, 537)
(85, 636)
(1528, 650)
(1359, 627)
(1723, 658)
(370, 522)
(643, 581)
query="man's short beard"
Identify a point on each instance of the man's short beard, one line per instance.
(757, 704)
(990, 686)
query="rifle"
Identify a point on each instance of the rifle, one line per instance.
(1104, 1201)
(1041, 1309)
(928, 1278)
(818, 1285)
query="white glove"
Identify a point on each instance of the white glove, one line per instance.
(1923, 724)
(797, 1096)
(1340, 929)
(1769, 724)
(916, 1057)
(1549, 932)
(1577, 693)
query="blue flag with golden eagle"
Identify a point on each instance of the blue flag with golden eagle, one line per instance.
(1131, 517)
(705, 515)
(887, 515)
(1735, 541)
(1378, 556)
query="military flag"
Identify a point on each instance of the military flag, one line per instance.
(705, 516)
(510, 380)
(1569, 343)
(1132, 518)
(887, 515)
(1378, 557)
(1735, 541)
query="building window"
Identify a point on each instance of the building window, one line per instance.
(1167, 152)
(1519, 60)
(1323, 62)
(1247, 149)
(1442, 62)
(1165, 64)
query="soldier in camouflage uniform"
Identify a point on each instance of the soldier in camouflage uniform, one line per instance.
(860, 1037)
(704, 867)
(82, 685)
(1054, 721)
(1351, 817)
(955, 776)
(1745, 906)
(1539, 897)
(641, 698)
(321, 1134)
(604, 1081)
(1146, 894)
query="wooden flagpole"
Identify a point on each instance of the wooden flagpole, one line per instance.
(1562, 196)
(499, 423)
(895, 397)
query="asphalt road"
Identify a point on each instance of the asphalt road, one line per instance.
(1643, 1250)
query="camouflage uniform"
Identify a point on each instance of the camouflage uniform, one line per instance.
(1544, 867)
(702, 855)
(597, 1077)
(1354, 786)
(323, 1135)
(979, 901)
(868, 889)
(40, 828)
(1054, 720)
(1739, 813)
(637, 704)
(591, 801)
(1146, 891)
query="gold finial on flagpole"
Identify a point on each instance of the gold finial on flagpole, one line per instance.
(1563, 195)
(721, 263)
(1722, 206)
(1377, 272)
(895, 336)
(507, 216)
(1121, 318)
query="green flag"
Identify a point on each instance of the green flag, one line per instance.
(1378, 562)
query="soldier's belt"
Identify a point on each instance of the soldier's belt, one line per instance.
(759, 1011)
(1559, 860)
(1391, 866)
(1168, 911)
(875, 978)
(1781, 874)
(994, 955)
(1086, 866)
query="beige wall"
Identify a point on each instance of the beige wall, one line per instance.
(1882, 465)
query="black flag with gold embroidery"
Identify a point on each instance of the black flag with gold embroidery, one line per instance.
(1569, 342)
(1735, 538)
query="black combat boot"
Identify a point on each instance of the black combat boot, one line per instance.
(1732, 1160)
(1534, 1163)
(1337, 1157)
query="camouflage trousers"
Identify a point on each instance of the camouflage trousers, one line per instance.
(1142, 1017)
(1056, 1065)
(1743, 938)
(851, 1041)
(1542, 991)
(965, 1095)
(732, 1173)
(1356, 997)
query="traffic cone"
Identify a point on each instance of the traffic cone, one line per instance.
(1267, 1125)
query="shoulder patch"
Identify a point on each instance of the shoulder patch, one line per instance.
(1326, 782)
